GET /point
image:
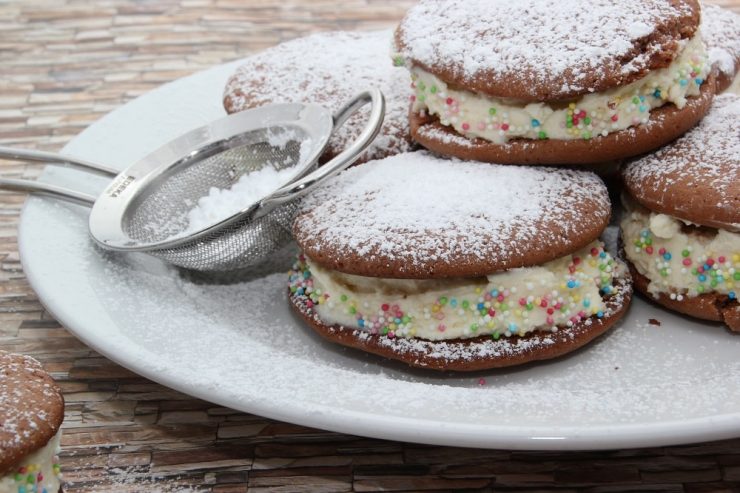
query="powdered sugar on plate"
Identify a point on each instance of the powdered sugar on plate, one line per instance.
(328, 69)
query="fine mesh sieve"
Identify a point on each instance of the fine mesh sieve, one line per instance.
(145, 208)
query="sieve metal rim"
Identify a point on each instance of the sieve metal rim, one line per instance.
(106, 222)
(297, 187)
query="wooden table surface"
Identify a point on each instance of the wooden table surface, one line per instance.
(63, 65)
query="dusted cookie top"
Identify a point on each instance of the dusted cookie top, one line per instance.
(720, 29)
(697, 177)
(539, 50)
(328, 69)
(31, 408)
(418, 216)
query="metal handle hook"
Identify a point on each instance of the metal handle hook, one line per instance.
(303, 185)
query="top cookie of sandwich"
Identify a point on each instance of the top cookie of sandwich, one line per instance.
(697, 177)
(31, 408)
(328, 69)
(539, 50)
(418, 216)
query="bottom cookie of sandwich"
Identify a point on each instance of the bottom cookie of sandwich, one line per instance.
(476, 353)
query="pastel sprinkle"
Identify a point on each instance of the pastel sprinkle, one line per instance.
(495, 309)
(708, 274)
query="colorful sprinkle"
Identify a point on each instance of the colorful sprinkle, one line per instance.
(497, 310)
(29, 478)
(492, 121)
(708, 274)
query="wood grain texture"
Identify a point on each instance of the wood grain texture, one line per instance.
(64, 65)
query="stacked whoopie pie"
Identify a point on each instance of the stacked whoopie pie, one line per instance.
(443, 260)
(572, 82)
(328, 69)
(456, 265)
(31, 413)
(681, 229)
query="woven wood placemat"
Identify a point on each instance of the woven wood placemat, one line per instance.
(64, 64)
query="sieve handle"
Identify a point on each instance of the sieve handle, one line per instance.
(302, 186)
(46, 189)
(56, 159)
(53, 159)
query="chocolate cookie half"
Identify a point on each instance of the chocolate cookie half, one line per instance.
(681, 231)
(608, 81)
(720, 29)
(31, 413)
(474, 266)
(328, 69)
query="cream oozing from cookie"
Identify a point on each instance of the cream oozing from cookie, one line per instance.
(559, 293)
(38, 472)
(598, 114)
(677, 262)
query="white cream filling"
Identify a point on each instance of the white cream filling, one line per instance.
(561, 292)
(39, 469)
(597, 114)
(680, 263)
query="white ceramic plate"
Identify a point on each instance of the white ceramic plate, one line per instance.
(240, 346)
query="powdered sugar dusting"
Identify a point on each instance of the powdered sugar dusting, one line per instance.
(720, 29)
(29, 404)
(456, 211)
(139, 478)
(221, 204)
(431, 132)
(706, 159)
(570, 47)
(329, 69)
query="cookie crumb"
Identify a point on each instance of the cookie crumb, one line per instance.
(654, 321)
